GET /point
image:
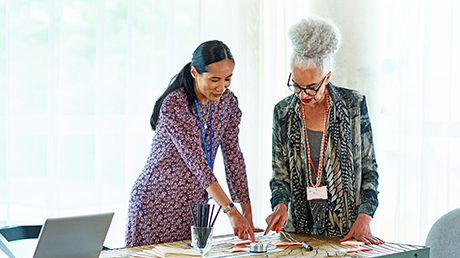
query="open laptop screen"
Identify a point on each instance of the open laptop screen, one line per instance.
(73, 237)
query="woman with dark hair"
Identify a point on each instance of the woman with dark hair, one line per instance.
(193, 117)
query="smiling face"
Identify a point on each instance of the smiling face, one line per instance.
(310, 78)
(210, 85)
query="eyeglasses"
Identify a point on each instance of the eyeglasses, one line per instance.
(309, 91)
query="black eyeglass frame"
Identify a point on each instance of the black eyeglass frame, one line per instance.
(291, 86)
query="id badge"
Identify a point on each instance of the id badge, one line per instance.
(317, 192)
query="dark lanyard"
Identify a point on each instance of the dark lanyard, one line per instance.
(210, 132)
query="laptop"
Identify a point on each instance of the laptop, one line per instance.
(73, 237)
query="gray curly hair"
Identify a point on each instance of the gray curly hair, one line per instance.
(314, 42)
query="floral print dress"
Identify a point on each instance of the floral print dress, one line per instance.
(176, 173)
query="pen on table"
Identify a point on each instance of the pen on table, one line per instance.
(307, 246)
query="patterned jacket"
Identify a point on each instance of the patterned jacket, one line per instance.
(349, 162)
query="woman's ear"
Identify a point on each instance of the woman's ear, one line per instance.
(328, 78)
(194, 72)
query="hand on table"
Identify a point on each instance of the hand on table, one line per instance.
(241, 226)
(361, 231)
(277, 219)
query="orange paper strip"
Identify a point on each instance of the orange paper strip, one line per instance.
(352, 243)
(285, 244)
(238, 250)
(363, 249)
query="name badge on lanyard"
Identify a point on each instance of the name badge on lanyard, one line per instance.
(317, 192)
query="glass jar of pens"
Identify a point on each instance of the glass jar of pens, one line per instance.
(202, 230)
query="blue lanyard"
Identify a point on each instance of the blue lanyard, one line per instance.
(210, 132)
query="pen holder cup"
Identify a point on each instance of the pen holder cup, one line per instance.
(202, 238)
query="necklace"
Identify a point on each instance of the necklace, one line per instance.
(208, 157)
(318, 171)
(204, 120)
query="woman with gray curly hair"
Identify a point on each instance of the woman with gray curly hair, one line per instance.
(325, 176)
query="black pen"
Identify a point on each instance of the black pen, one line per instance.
(199, 215)
(309, 248)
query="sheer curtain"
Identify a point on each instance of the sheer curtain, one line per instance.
(78, 82)
(419, 120)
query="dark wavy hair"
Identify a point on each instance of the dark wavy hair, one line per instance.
(205, 54)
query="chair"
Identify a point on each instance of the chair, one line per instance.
(13, 233)
(443, 238)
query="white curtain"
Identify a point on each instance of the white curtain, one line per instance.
(78, 80)
(419, 119)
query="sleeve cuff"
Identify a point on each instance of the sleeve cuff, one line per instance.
(277, 200)
(369, 202)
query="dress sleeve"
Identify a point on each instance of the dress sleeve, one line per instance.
(280, 182)
(235, 168)
(370, 176)
(186, 138)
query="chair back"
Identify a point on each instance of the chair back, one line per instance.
(443, 238)
(13, 233)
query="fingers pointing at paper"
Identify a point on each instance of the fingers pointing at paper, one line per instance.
(241, 227)
(277, 219)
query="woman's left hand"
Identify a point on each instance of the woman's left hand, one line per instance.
(361, 231)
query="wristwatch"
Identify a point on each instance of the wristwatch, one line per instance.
(229, 207)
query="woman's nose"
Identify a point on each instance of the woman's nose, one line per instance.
(302, 94)
(221, 86)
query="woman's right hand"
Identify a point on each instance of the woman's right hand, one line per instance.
(277, 219)
(241, 226)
